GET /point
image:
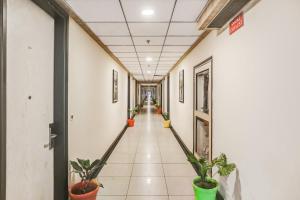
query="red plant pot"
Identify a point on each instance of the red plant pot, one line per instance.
(130, 122)
(92, 195)
(158, 110)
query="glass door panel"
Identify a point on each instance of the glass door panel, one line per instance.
(202, 110)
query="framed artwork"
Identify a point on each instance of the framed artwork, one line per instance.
(115, 86)
(181, 86)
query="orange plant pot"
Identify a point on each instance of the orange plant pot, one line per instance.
(158, 110)
(92, 195)
(130, 122)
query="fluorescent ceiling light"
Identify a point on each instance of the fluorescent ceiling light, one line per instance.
(148, 12)
(149, 72)
(148, 59)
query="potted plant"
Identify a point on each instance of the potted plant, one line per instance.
(154, 101)
(205, 187)
(139, 108)
(133, 112)
(88, 187)
(158, 108)
(167, 121)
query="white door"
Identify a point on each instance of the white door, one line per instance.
(202, 110)
(30, 69)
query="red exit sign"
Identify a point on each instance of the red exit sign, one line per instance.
(236, 23)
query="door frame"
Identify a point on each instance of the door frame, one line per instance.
(210, 59)
(60, 115)
(128, 96)
(3, 30)
(168, 94)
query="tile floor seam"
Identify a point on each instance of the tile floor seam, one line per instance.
(164, 172)
(132, 167)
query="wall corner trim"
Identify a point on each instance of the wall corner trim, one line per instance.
(3, 30)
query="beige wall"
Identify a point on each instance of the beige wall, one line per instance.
(97, 121)
(255, 100)
(132, 93)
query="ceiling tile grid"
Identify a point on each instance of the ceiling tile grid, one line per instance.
(147, 36)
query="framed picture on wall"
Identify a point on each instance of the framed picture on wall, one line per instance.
(181, 86)
(115, 86)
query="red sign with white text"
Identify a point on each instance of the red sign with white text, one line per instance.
(236, 23)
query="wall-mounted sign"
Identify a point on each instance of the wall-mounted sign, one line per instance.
(236, 23)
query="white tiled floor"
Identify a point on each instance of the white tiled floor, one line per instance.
(147, 164)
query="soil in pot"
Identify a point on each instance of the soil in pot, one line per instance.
(205, 185)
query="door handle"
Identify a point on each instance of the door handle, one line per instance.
(52, 137)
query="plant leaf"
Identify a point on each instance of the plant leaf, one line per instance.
(94, 172)
(84, 163)
(97, 162)
(76, 166)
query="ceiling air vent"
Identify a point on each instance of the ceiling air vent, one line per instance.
(218, 12)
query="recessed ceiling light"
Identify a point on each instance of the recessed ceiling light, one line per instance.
(148, 59)
(149, 72)
(148, 12)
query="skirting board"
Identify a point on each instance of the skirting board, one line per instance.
(114, 144)
(187, 152)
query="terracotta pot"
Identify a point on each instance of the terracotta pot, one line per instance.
(158, 110)
(92, 195)
(130, 122)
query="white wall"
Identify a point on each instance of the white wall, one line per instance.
(97, 121)
(132, 93)
(255, 100)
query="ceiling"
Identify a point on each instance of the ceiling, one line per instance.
(124, 26)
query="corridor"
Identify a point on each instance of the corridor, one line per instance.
(147, 164)
(154, 99)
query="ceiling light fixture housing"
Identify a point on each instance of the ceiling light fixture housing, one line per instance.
(147, 12)
(148, 59)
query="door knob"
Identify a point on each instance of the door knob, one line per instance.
(52, 137)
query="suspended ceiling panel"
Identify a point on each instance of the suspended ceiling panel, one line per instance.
(148, 29)
(116, 40)
(175, 48)
(188, 10)
(162, 10)
(148, 45)
(121, 48)
(97, 10)
(109, 29)
(153, 40)
(181, 40)
(184, 29)
(148, 48)
(125, 55)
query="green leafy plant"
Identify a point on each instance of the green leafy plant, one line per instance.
(133, 112)
(88, 172)
(166, 116)
(154, 101)
(204, 168)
